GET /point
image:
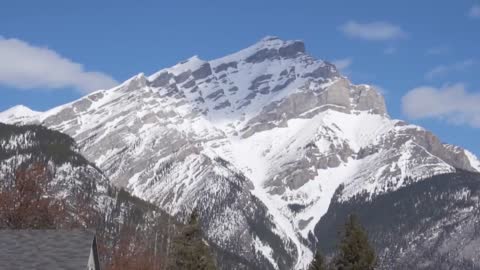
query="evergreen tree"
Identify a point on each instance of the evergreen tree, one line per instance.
(189, 251)
(318, 262)
(355, 251)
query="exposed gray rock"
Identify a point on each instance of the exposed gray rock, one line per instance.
(264, 90)
(233, 89)
(202, 72)
(216, 95)
(96, 96)
(200, 100)
(294, 105)
(456, 155)
(279, 87)
(326, 71)
(299, 103)
(295, 174)
(64, 115)
(194, 89)
(450, 154)
(82, 105)
(257, 82)
(292, 50)
(134, 83)
(225, 66)
(174, 91)
(162, 79)
(222, 105)
(189, 84)
(251, 96)
(369, 99)
(337, 94)
(262, 55)
(180, 78)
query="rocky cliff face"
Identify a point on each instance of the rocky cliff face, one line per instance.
(259, 141)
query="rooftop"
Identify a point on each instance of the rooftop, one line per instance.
(45, 249)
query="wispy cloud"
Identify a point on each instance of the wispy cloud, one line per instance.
(343, 64)
(438, 50)
(474, 12)
(375, 31)
(442, 70)
(451, 103)
(390, 50)
(25, 66)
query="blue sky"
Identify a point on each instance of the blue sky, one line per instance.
(424, 55)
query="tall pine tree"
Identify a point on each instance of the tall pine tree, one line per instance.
(189, 251)
(355, 251)
(318, 262)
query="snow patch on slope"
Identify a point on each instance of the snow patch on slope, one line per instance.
(17, 114)
(319, 193)
(474, 161)
(266, 251)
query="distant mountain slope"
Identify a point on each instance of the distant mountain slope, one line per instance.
(88, 200)
(259, 141)
(72, 177)
(431, 224)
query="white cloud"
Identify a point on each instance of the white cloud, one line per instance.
(451, 103)
(438, 50)
(376, 31)
(474, 12)
(25, 66)
(342, 64)
(445, 69)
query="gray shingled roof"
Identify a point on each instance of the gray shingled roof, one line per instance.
(45, 249)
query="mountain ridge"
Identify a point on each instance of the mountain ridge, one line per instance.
(270, 129)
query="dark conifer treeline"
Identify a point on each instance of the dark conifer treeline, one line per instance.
(354, 251)
(189, 250)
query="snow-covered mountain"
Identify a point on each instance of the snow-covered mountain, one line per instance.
(71, 177)
(42, 173)
(259, 141)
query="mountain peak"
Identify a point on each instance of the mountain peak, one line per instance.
(18, 111)
(133, 83)
(275, 42)
(20, 108)
(189, 65)
(269, 38)
(269, 47)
